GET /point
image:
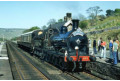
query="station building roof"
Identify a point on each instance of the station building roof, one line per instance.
(57, 25)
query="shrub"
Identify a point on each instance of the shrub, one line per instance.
(83, 24)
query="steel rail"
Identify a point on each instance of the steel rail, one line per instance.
(34, 67)
(16, 65)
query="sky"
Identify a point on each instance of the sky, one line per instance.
(26, 14)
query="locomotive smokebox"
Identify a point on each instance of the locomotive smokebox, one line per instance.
(75, 24)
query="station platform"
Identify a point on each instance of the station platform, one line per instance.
(5, 70)
(103, 67)
(103, 60)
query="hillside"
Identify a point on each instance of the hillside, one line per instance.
(9, 33)
(109, 27)
(108, 22)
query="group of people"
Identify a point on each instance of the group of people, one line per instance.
(113, 49)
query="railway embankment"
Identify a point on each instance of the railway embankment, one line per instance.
(102, 68)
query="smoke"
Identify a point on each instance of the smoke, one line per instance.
(74, 8)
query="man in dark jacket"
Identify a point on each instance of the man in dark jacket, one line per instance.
(94, 46)
(99, 44)
(110, 49)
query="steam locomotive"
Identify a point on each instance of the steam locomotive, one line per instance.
(66, 49)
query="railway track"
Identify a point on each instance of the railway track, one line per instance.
(53, 74)
(83, 76)
(78, 75)
(58, 73)
(23, 67)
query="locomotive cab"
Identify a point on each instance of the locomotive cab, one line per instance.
(63, 30)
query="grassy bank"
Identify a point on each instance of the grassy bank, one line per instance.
(106, 23)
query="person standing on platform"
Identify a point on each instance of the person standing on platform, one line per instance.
(110, 50)
(115, 48)
(99, 44)
(103, 53)
(94, 46)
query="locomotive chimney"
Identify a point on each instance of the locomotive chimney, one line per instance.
(65, 18)
(75, 24)
(68, 15)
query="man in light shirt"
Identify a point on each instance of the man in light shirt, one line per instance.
(115, 48)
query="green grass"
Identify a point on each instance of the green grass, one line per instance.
(106, 23)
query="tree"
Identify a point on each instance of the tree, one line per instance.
(109, 12)
(83, 24)
(92, 19)
(93, 13)
(81, 17)
(97, 10)
(44, 27)
(94, 10)
(31, 29)
(51, 21)
(102, 17)
(117, 12)
(60, 20)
